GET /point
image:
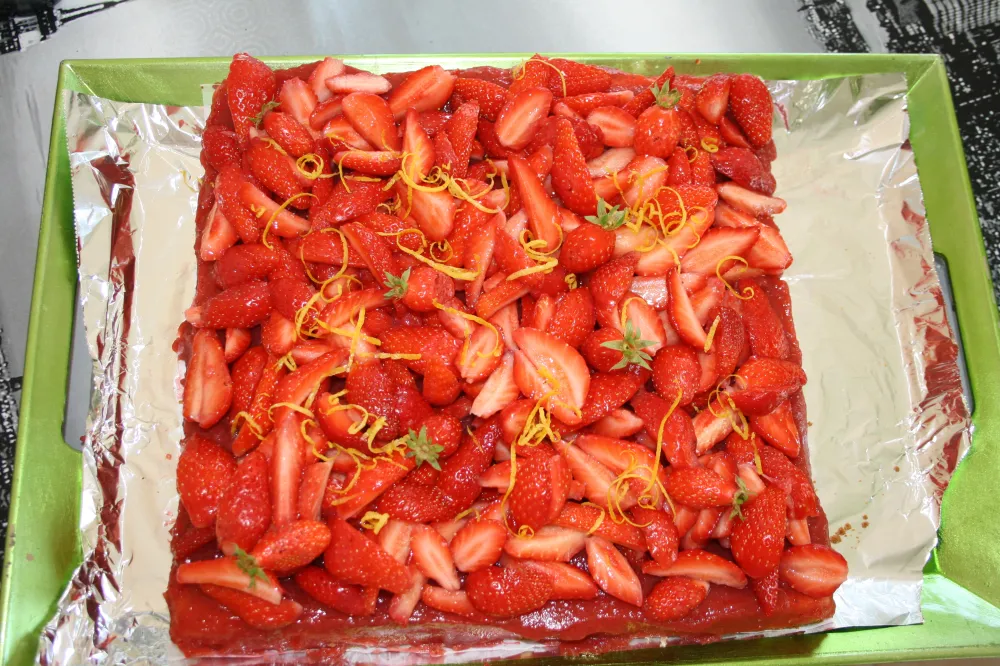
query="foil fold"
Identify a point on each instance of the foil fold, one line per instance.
(888, 418)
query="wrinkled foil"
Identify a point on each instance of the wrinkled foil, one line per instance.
(888, 419)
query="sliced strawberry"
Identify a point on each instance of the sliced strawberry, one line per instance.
(797, 532)
(750, 102)
(778, 428)
(499, 391)
(520, 117)
(433, 559)
(540, 491)
(370, 115)
(543, 214)
(237, 342)
(619, 423)
(241, 574)
(342, 597)
(360, 82)
(597, 478)
(573, 317)
(646, 176)
(297, 99)
(448, 601)
(610, 282)
(570, 175)
(813, 570)
(766, 383)
(568, 582)
(757, 541)
(425, 89)
(243, 306)
(766, 591)
(208, 388)
(431, 343)
(204, 471)
(459, 478)
(617, 126)
(292, 546)
(676, 368)
(749, 201)
(315, 478)
(372, 163)
(244, 263)
(255, 612)
(609, 391)
(682, 314)
(709, 256)
(354, 558)
(218, 236)
(584, 517)
(342, 135)
(461, 130)
(490, 96)
(249, 436)
(713, 98)
(612, 572)
(244, 509)
(584, 103)
(285, 223)
(742, 167)
(250, 85)
(769, 253)
(286, 469)
(347, 202)
(678, 431)
(701, 565)
(576, 78)
(549, 544)
(700, 488)
(508, 592)
(276, 171)
(478, 545)
(545, 364)
(674, 598)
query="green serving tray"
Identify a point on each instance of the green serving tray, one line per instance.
(962, 581)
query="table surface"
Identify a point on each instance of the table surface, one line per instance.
(153, 28)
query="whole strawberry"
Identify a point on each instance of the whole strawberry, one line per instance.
(757, 540)
(659, 127)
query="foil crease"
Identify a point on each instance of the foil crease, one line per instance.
(888, 418)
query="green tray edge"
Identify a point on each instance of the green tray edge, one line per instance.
(957, 622)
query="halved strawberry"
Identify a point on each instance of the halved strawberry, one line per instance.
(700, 488)
(291, 546)
(612, 572)
(549, 544)
(545, 364)
(250, 85)
(244, 508)
(508, 592)
(218, 236)
(750, 102)
(242, 306)
(757, 540)
(236, 573)
(315, 478)
(370, 115)
(618, 423)
(499, 390)
(543, 214)
(646, 176)
(425, 89)
(208, 387)
(342, 597)
(286, 469)
(701, 565)
(583, 517)
(617, 126)
(778, 428)
(769, 253)
(255, 612)
(431, 343)
(490, 96)
(204, 471)
(674, 598)
(682, 314)
(814, 570)
(596, 477)
(678, 431)
(576, 78)
(285, 223)
(540, 491)
(660, 535)
(747, 200)
(433, 559)
(448, 601)
(610, 282)
(347, 202)
(717, 244)
(237, 342)
(766, 383)
(478, 545)
(713, 98)
(371, 163)
(568, 582)
(459, 478)
(354, 558)
(570, 175)
(743, 168)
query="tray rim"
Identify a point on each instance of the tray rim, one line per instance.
(54, 294)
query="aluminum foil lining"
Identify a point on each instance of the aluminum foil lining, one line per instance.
(888, 419)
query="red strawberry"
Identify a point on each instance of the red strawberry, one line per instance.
(778, 428)
(570, 176)
(248, 436)
(813, 569)
(217, 236)
(750, 102)
(490, 96)
(617, 126)
(573, 318)
(743, 167)
(250, 85)
(415, 502)
(244, 263)
(478, 545)
(769, 253)
(549, 544)
(369, 386)
(364, 82)
(758, 539)
(678, 432)
(645, 97)
(764, 330)
(612, 572)
(461, 131)
(432, 343)
(749, 201)
(601, 357)
(255, 612)
(244, 512)
(208, 388)
(702, 171)
(701, 565)
(239, 573)
(611, 390)
(660, 533)
(445, 431)
(531, 74)
(586, 248)
(508, 592)
(433, 559)
(187, 540)
(587, 102)
(289, 296)
(657, 131)
(441, 386)
(373, 249)
(448, 601)
(371, 483)
(219, 148)
(354, 558)
(459, 478)
(782, 472)
(729, 341)
(576, 78)
(568, 582)
(315, 479)
(219, 114)
(561, 363)
(766, 591)
(276, 172)
(583, 517)
(713, 98)
(370, 115)
(540, 490)
(342, 597)
(543, 214)
(243, 306)
(731, 132)
(291, 546)
(425, 89)
(766, 383)
(610, 282)
(371, 163)
(700, 488)
(710, 255)
(676, 368)
(682, 315)
(520, 117)
(327, 68)
(674, 598)
(343, 204)
(204, 470)
(678, 168)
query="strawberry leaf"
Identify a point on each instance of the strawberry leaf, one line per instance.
(631, 346)
(422, 449)
(741, 497)
(248, 565)
(259, 118)
(397, 285)
(608, 217)
(665, 97)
